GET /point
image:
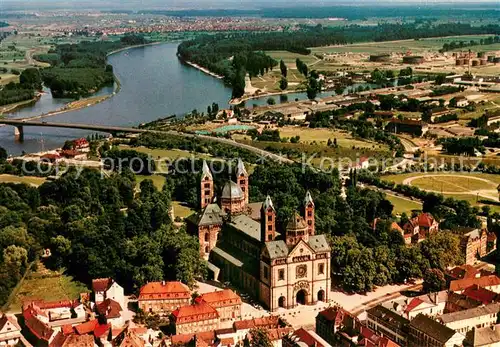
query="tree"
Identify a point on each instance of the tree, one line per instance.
(283, 69)
(440, 79)
(283, 83)
(3, 154)
(271, 101)
(434, 281)
(339, 90)
(258, 338)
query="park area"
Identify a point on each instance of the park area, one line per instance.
(44, 284)
(472, 187)
(29, 180)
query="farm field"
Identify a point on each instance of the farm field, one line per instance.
(47, 285)
(430, 44)
(30, 180)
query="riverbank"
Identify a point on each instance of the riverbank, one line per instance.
(237, 101)
(202, 69)
(13, 107)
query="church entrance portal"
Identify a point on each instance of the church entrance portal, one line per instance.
(281, 301)
(301, 297)
(321, 295)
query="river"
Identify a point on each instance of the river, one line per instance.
(154, 84)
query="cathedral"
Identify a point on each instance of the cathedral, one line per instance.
(242, 245)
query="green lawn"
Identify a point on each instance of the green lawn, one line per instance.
(403, 205)
(30, 180)
(158, 180)
(46, 285)
(181, 210)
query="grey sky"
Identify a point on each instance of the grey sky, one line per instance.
(203, 4)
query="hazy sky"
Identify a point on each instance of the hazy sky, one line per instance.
(178, 4)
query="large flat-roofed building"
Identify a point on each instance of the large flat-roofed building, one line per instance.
(242, 243)
(425, 331)
(163, 297)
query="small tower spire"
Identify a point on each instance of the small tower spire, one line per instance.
(309, 213)
(268, 220)
(207, 186)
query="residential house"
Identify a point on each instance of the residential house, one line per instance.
(490, 282)
(110, 310)
(459, 302)
(474, 243)
(388, 323)
(482, 295)
(57, 313)
(39, 332)
(461, 101)
(99, 331)
(420, 227)
(483, 337)
(273, 324)
(62, 340)
(195, 318)
(425, 331)
(331, 320)
(461, 272)
(81, 145)
(128, 338)
(432, 305)
(226, 302)
(163, 297)
(464, 321)
(107, 288)
(368, 338)
(303, 338)
(10, 331)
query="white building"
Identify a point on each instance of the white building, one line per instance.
(10, 331)
(107, 288)
(464, 321)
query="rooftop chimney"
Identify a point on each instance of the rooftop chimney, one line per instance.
(162, 283)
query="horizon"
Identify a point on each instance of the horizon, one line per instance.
(9, 5)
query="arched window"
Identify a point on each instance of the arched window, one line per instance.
(207, 237)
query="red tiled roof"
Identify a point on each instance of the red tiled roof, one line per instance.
(481, 294)
(78, 341)
(80, 142)
(87, 327)
(278, 333)
(220, 298)
(371, 339)
(38, 328)
(109, 308)
(485, 281)
(101, 330)
(51, 156)
(101, 284)
(425, 220)
(194, 313)
(266, 322)
(67, 329)
(185, 338)
(164, 290)
(307, 338)
(463, 271)
(46, 305)
(413, 304)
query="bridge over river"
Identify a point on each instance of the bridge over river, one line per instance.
(20, 124)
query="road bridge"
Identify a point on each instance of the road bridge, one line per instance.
(19, 125)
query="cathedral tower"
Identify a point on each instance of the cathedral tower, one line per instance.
(242, 179)
(296, 230)
(207, 186)
(309, 213)
(268, 221)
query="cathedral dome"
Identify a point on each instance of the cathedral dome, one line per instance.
(232, 191)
